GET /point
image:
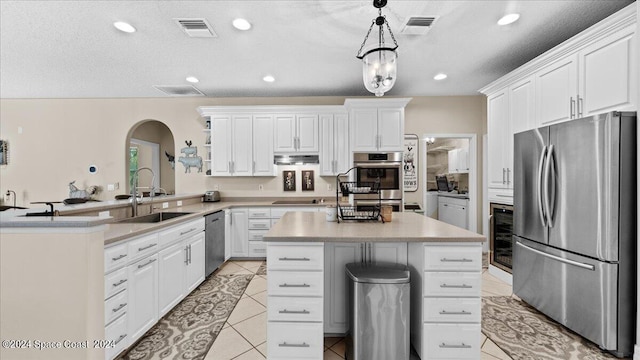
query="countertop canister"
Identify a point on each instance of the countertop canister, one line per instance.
(332, 213)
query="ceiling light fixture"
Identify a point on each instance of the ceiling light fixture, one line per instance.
(440, 76)
(379, 63)
(508, 19)
(241, 24)
(124, 27)
(192, 79)
(269, 79)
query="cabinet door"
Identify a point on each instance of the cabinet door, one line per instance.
(452, 159)
(463, 160)
(227, 235)
(327, 148)
(221, 155)
(242, 138)
(453, 214)
(498, 138)
(307, 133)
(608, 74)
(195, 266)
(143, 296)
(171, 281)
(341, 143)
(239, 233)
(337, 255)
(391, 129)
(556, 92)
(284, 132)
(364, 129)
(263, 146)
(395, 252)
(521, 105)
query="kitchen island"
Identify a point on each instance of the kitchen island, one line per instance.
(307, 284)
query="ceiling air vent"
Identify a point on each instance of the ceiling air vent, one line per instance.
(179, 90)
(196, 27)
(417, 25)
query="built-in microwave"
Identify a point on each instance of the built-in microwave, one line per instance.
(385, 168)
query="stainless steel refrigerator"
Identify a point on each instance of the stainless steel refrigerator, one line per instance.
(575, 226)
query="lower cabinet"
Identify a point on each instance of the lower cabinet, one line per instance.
(143, 295)
(172, 262)
(239, 233)
(116, 331)
(454, 211)
(194, 268)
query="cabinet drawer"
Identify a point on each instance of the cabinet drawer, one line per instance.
(294, 309)
(453, 258)
(256, 235)
(257, 249)
(179, 232)
(115, 282)
(294, 341)
(464, 310)
(259, 224)
(116, 331)
(142, 246)
(115, 307)
(295, 257)
(259, 213)
(451, 341)
(115, 256)
(289, 283)
(452, 284)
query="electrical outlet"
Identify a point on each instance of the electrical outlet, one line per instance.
(329, 187)
(216, 187)
(165, 205)
(179, 202)
(260, 187)
(111, 187)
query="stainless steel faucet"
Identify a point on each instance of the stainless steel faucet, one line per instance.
(9, 192)
(134, 190)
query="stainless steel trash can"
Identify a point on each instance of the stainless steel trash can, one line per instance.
(378, 312)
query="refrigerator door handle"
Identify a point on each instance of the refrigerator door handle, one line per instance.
(541, 211)
(558, 258)
(550, 196)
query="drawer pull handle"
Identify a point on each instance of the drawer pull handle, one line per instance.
(463, 286)
(456, 260)
(119, 257)
(461, 346)
(120, 283)
(303, 345)
(120, 338)
(119, 307)
(295, 285)
(445, 312)
(147, 247)
(186, 232)
(285, 311)
(294, 259)
(143, 265)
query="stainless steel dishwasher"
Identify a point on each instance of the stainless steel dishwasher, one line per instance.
(214, 241)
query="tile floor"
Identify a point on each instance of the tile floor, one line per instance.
(244, 335)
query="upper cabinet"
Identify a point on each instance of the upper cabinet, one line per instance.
(334, 144)
(499, 147)
(376, 124)
(296, 133)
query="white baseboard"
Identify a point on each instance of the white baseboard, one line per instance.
(636, 352)
(502, 275)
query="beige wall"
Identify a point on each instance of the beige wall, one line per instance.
(60, 138)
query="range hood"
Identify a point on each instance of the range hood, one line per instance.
(295, 159)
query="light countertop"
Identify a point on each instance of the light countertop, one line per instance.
(404, 227)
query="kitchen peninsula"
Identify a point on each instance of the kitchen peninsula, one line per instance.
(307, 284)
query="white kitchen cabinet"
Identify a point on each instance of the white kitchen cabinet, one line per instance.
(231, 145)
(392, 252)
(522, 95)
(458, 161)
(263, 145)
(376, 125)
(171, 264)
(227, 234)
(556, 91)
(500, 146)
(143, 296)
(334, 144)
(194, 268)
(296, 133)
(454, 211)
(239, 232)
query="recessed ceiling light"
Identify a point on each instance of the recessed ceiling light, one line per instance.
(123, 26)
(440, 76)
(269, 78)
(508, 19)
(192, 79)
(241, 24)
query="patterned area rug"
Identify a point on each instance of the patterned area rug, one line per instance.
(262, 270)
(525, 333)
(188, 331)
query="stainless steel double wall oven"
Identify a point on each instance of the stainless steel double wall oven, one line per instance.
(385, 167)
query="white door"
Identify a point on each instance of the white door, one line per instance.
(364, 129)
(171, 281)
(337, 255)
(284, 133)
(395, 252)
(263, 145)
(556, 92)
(327, 148)
(242, 138)
(143, 296)
(221, 155)
(195, 266)
(239, 233)
(307, 132)
(390, 130)
(341, 143)
(498, 134)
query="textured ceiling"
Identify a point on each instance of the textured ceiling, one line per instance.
(69, 49)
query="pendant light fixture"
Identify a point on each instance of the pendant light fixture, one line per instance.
(379, 63)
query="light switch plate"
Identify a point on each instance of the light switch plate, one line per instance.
(165, 205)
(179, 202)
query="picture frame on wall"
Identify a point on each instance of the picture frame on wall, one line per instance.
(308, 180)
(410, 162)
(289, 180)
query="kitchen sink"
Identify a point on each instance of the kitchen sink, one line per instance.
(153, 218)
